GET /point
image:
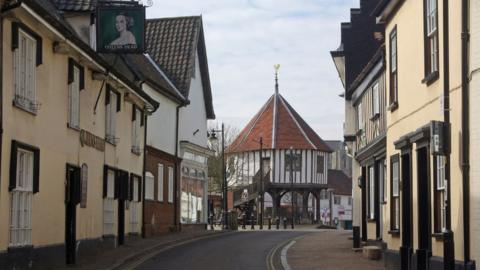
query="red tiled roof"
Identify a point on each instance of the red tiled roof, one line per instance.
(280, 127)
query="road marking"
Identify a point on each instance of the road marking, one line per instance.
(273, 251)
(283, 255)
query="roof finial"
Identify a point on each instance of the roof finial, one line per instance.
(276, 67)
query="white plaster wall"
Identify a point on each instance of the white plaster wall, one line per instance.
(194, 116)
(475, 128)
(161, 125)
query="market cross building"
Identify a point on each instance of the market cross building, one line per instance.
(293, 160)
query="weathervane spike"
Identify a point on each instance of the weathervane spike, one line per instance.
(276, 67)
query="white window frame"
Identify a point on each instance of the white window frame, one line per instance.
(21, 201)
(111, 118)
(170, 184)
(24, 72)
(396, 193)
(136, 128)
(74, 99)
(371, 192)
(441, 189)
(361, 121)
(149, 186)
(432, 33)
(161, 182)
(108, 205)
(134, 206)
(376, 99)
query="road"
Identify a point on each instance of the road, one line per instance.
(246, 250)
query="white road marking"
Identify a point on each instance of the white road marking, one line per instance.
(283, 255)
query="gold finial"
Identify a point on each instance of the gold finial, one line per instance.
(276, 67)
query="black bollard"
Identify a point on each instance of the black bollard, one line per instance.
(244, 225)
(285, 223)
(253, 223)
(278, 223)
(211, 222)
(269, 223)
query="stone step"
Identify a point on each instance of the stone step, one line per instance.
(372, 252)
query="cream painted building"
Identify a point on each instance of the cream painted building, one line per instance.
(72, 159)
(422, 171)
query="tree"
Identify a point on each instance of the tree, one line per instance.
(215, 172)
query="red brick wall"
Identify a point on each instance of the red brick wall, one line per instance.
(159, 217)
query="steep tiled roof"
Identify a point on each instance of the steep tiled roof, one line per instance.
(76, 5)
(173, 43)
(280, 127)
(340, 182)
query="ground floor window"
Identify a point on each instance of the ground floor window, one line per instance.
(395, 193)
(192, 196)
(371, 192)
(21, 198)
(439, 194)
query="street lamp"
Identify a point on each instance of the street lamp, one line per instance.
(262, 199)
(212, 135)
(291, 184)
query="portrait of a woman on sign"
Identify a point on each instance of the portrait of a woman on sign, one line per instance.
(120, 30)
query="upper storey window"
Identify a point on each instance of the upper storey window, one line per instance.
(393, 70)
(293, 161)
(431, 40)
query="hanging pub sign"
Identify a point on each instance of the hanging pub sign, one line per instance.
(121, 29)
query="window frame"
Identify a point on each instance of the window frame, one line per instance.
(320, 164)
(395, 196)
(170, 183)
(439, 222)
(393, 69)
(149, 187)
(375, 99)
(160, 182)
(431, 41)
(371, 192)
(136, 129)
(296, 161)
(112, 107)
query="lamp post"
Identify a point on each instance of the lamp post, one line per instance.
(291, 184)
(213, 137)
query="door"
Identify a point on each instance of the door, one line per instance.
(122, 182)
(364, 203)
(72, 198)
(423, 198)
(406, 184)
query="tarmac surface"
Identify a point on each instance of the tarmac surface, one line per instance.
(247, 250)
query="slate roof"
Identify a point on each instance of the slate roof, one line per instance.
(76, 5)
(340, 182)
(280, 127)
(173, 43)
(335, 145)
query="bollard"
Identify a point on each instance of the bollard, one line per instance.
(269, 223)
(278, 223)
(253, 223)
(285, 223)
(211, 222)
(244, 225)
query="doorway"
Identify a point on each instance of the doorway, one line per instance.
(423, 198)
(72, 198)
(406, 186)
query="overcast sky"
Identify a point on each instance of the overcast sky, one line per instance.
(245, 38)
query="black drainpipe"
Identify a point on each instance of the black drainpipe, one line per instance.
(465, 134)
(145, 118)
(448, 239)
(1, 89)
(177, 178)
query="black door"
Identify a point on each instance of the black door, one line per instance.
(122, 189)
(72, 198)
(423, 198)
(378, 177)
(364, 203)
(406, 248)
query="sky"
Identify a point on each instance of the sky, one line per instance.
(245, 38)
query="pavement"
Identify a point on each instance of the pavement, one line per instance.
(328, 250)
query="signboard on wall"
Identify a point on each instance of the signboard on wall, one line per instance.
(121, 29)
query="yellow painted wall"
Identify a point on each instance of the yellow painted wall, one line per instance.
(419, 104)
(60, 145)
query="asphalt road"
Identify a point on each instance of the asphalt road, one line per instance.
(245, 250)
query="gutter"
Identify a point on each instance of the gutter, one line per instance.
(448, 242)
(465, 133)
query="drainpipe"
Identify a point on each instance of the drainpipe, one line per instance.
(465, 134)
(176, 172)
(448, 239)
(145, 118)
(1, 89)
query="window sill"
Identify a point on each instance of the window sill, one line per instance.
(111, 142)
(438, 236)
(76, 128)
(375, 117)
(136, 152)
(393, 106)
(24, 108)
(371, 220)
(394, 232)
(431, 78)
(19, 248)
